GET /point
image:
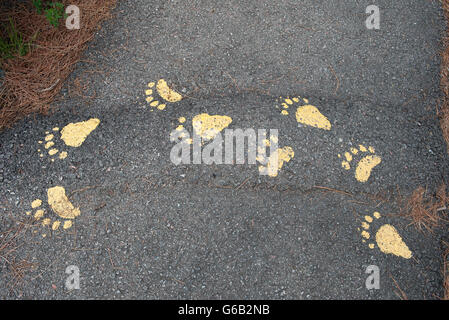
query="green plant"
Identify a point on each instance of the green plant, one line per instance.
(53, 11)
(14, 44)
(38, 5)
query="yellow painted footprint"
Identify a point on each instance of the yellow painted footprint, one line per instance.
(273, 164)
(165, 93)
(387, 238)
(365, 165)
(72, 135)
(205, 126)
(305, 113)
(60, 205)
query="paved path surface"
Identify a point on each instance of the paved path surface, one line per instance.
(360, 119)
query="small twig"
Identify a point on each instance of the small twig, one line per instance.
(51, 87)
(234, 81)
(82, 190)
(179, 281)
(243, 183)
(334, 190)
(112, 262)
(403, 296)
(336, 77)
(101, 206)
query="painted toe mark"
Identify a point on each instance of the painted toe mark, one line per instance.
(182, 132)
(36, 203)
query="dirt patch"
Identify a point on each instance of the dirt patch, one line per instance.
(31, 82)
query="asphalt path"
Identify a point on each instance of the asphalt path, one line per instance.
(149, 229)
